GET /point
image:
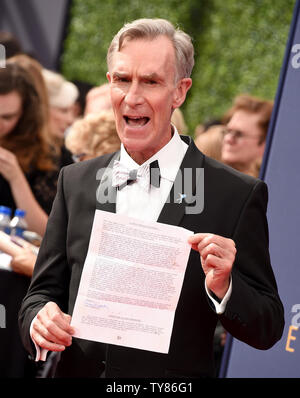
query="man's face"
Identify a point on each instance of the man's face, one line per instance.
(144, 94)
(241, 145)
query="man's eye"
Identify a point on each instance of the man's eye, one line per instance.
(151, 82)
(121, 79)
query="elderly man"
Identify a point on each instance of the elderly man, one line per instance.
(228, 275)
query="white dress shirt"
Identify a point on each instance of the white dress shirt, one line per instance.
(133, 200)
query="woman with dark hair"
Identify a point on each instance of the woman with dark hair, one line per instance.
(24, 163)
(24, 153)
(45, 185)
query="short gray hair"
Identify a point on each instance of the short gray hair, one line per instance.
(150, 29)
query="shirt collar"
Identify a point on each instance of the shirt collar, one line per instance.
(169, 157)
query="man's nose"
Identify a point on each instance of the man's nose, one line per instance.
(229, 138)
(134, 95)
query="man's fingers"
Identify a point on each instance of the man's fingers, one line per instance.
(217, 255)
(194, 240)
(224, 243)
(48, 329)
(51, 328)
(67, 318)
(218, 251)
(195, 247)
(212, 248)
(51, 334)
(219, 265)
(60, 319)
(44, 343)
(201, 240)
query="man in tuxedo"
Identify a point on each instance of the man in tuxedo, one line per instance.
(228, 276)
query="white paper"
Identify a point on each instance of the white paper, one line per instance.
(131, 282)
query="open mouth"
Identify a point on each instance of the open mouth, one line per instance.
(136, 121)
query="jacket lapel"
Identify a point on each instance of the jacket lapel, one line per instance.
(184, 187)
(106, 194)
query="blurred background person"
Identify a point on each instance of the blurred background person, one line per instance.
(245, 133)
(25, 163)
(202, 128)
(62, 96)
(44, 184)
(97, 99)
(209, 138)
(34, 68)
(24, 154)
(93, 136)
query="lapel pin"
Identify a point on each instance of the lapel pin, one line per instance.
(181, 197)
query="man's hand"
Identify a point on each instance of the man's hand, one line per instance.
(51, 329)
(217, 256)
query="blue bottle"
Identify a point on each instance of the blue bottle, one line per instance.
(5, 218)
(18, 224)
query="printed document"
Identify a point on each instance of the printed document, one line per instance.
(131, 282)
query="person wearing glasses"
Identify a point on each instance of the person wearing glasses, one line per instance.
(245, 133)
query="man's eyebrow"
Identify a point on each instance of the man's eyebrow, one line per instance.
(119, 74)
(151, 76)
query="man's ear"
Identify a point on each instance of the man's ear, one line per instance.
(182, 88)
(108, 77)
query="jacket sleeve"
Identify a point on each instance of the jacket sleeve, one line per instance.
(254, 313)
(51, 274)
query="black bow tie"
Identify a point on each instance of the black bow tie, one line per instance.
(132, 176)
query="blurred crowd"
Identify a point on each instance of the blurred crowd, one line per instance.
(48, 122)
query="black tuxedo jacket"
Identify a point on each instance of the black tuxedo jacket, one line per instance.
(234, 207)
